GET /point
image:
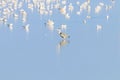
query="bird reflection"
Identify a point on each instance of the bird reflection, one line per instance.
(62, 44)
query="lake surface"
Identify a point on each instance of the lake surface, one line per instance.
(42, 54)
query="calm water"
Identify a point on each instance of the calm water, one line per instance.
(44, 55)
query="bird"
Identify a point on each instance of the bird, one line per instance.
(78, 12)
(62, 34)
(107, 17)
(98, 27)
(50, 25)
(78, 3)
(64, 2)
(101, 4)
(70, 7)
(63, 27)
(30, 6)
(88, 17)
(84, 21)
(63, 10)
(98, 9)
(17, 9)
(15, 16)
(26, 28)
(10, 26)
(67, 16)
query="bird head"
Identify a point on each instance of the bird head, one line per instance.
(58, 30)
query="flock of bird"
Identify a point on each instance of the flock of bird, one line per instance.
(16, 9)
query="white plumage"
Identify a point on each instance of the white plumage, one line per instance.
(26, 28)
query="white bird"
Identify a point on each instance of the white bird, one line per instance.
(98, 9)
(50, 25)
(10, 26)
(113, 1)
(1, 19)
(78, 12)
(98, 27)
(10, 8)
(4, 20)
(84, 21)
(57, 6)
(50, 12)
(107, 17)
(26, 28)
(78, 3)
(89, 9)
(88, 17)
(63, 27)
(101, 4)
(24, 15)
(108, 7)
(63, 10)
(30, 6)
(48, 2)
(67, 16)
(70, 7)
(15, 16)
(64, 2)
(20, 4)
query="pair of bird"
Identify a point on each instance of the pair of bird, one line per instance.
(50, 25)
(26, 27)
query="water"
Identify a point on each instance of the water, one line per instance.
(44, 55)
